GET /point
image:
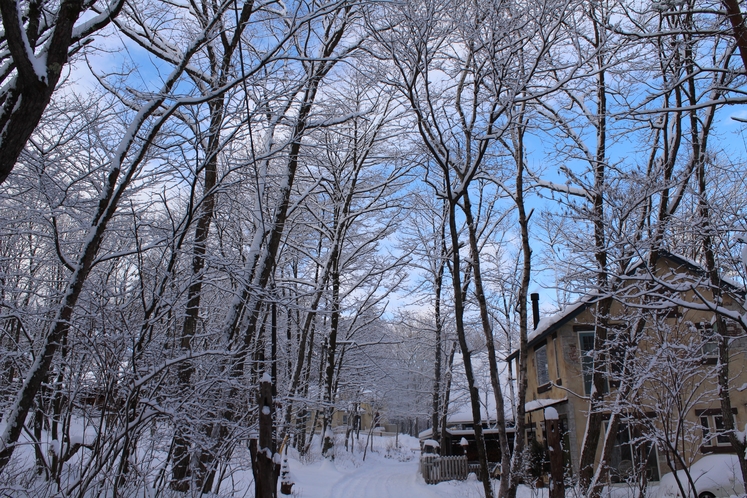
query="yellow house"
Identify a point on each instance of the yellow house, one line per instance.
(359, 416)
(662, 347)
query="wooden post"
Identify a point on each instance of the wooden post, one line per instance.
(265, 469)
(286, 483)
(552, 427)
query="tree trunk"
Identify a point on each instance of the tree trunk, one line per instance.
(517, 458)
(264, 467)
(596, 397)
(436, 405)
(447, 390)
(181, 471)
(329, 372)
(466, 353)
(487, 328)
(736, 19)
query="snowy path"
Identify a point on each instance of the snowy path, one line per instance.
(375, 478)
(380, 477)
(389, 479)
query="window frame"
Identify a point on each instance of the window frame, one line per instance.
(709, 347)
(587, 361)
(625, 444)
(614, 365)
(546, 364)
(713, 436)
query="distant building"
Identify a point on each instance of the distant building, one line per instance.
(459, 438)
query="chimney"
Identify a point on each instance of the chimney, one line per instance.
(535, 308)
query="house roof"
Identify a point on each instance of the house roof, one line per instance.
(552, 323)
(693, 267)
(427, 433)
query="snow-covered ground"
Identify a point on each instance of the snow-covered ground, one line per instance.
(376, 478)
(390, 470)
(387, 472)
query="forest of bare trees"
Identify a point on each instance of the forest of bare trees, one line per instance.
(221, 222)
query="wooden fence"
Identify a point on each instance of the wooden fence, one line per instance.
(437, 469)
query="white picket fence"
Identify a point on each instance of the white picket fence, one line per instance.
(437, 469)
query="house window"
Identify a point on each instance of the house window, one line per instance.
(586, 340)
(710, 342)
(543, 372)
(714, 432)
(631, 455)
(671, 313)
(709, 334)
(615, 354)
(555, 346)
(531, 434)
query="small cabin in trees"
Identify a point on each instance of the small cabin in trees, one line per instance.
(659, 365)
(459, 438)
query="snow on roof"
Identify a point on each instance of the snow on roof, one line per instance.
(469, 432)
(542, 403)
(425, 434)
(466, 417)
(693, 265)
(548, 321)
